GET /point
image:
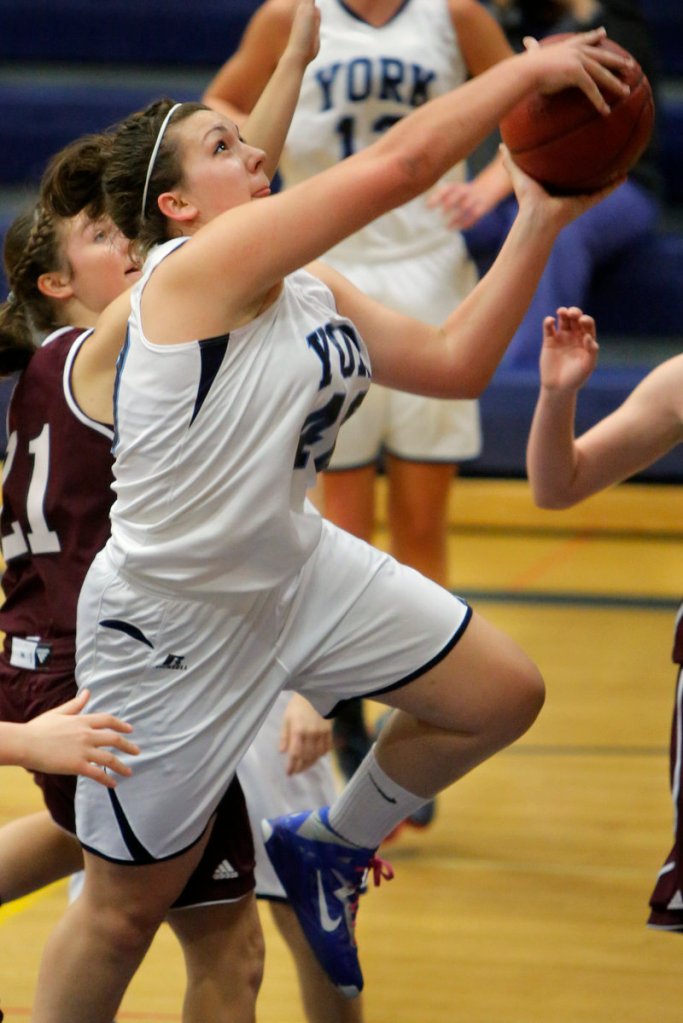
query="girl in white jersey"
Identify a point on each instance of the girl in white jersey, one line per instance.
(221, 586)
(378, 60)
(69, 267)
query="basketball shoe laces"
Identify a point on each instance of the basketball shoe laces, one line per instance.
(377, 868)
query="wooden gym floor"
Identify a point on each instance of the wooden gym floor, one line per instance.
(526, 900)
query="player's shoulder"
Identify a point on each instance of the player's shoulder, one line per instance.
(51, 354)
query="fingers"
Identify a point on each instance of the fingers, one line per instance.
(76, 704)
(548, 329)
(600, 65)
(306, 749)
(572, 327)
(91, 770)
(102, 736)
(101, 720)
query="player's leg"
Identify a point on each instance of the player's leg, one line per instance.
(348, 487)
(34, 852)
(110, 926)
(666, 901)
(349, 500)
(323, 1003)
(217, 924)
(426, 439)
(269, 791)
(223, 949)
(418, 514)
(465, 691)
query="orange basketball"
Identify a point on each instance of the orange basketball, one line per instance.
(564, 142)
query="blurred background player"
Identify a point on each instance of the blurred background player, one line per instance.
(564, 470)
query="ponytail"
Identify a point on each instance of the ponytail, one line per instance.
(31, 249)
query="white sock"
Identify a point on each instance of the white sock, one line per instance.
(371, 805)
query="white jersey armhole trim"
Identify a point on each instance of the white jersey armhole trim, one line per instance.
(93, 424)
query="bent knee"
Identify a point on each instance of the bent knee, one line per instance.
(525, 696)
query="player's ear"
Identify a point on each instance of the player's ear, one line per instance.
(174, 207)
(55, 284)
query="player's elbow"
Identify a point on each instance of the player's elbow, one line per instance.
(550, 500)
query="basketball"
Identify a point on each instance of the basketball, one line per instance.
(567, 145)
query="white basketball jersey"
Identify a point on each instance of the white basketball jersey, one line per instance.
(218, 440)
(362, 81)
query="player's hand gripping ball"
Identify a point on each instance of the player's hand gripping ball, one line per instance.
(564, 142)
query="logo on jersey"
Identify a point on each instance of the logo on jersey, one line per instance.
(387, 78)
(345, 374)
(173, 662)
(224, 871)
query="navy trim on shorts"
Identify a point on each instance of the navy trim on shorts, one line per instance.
(127, 832)
(135, 846)
(413, 674)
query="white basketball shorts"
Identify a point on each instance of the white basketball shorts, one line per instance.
(196, 680)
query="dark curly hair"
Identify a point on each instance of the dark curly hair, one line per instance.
(127, 166)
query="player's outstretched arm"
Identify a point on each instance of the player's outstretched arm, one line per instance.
(64, 741)
(305, 221)
(237, 85)
(563, 469)
(268, 123)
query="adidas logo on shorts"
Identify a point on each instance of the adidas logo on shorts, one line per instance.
(224, 871)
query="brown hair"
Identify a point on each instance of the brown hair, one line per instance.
(127, 166)
(32, 247)
(72, 182)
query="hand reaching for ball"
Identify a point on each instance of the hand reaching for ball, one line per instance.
(562, 209)
(570, 139)
(580, 60)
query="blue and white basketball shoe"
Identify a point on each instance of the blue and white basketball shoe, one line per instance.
(323, 879)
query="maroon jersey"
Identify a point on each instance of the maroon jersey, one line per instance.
(56, 490)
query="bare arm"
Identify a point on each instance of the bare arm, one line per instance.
(564, 470)
(237, 86)
(268, 123)
(458, 359)
(254, 246)
(94, 369)
(63, 741)
(483, 44)
(481, 39)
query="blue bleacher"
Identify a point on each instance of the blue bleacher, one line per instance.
(165, 32)
(42, 115)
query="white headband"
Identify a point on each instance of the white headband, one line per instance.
(155, 151)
